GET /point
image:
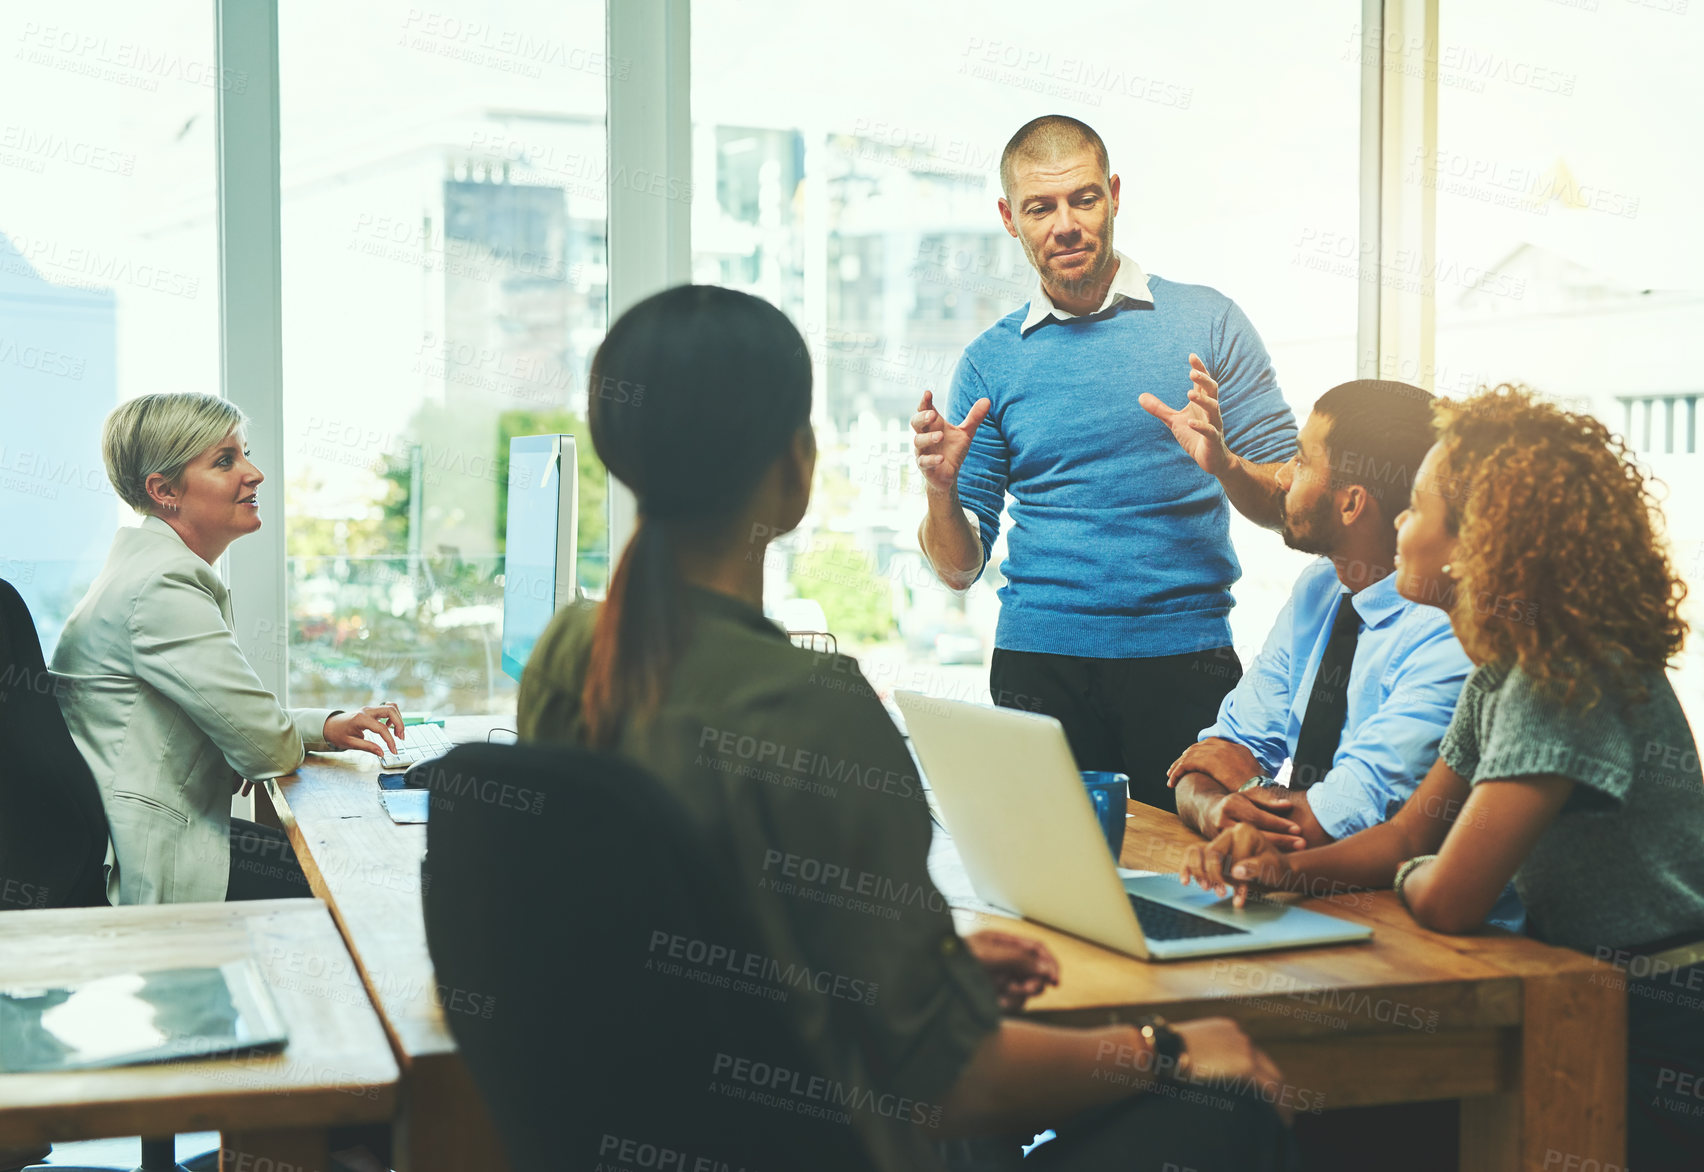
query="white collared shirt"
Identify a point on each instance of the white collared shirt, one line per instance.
(1130, 281)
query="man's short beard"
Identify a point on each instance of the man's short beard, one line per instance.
(1075, 286)
(1307, 537)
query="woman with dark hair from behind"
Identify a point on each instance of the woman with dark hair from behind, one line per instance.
(1569, 764)
(780, 755)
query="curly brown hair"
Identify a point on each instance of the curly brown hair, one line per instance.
(1551, 512)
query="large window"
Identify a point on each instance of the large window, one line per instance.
(445, 266)
(108, 283)
(444, 288)
(845, 167)
(1569, 254)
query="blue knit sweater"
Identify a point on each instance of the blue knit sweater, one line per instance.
(1119, 544)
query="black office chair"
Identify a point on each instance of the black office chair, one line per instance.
(550, 875)
(53, 828)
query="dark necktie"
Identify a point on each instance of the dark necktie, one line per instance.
(1328, 703)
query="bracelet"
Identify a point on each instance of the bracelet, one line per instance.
(1258, 779)
(1402, 874)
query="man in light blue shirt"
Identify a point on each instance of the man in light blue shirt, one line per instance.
(1358, 700)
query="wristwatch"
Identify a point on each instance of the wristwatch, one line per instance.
(1171, 1054)
(1258, 779)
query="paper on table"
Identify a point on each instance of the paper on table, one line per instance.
(139, 1017)
(406, 805)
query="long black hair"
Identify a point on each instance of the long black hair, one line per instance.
(694, 394)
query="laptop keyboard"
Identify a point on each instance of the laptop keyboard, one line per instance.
(1162, 921)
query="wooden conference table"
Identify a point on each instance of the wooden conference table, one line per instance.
(1530, 1038)
(367, 869)
(272, 1110)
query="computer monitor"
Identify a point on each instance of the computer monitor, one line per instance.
(539, 545)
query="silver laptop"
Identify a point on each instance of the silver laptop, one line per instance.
(1010, 795)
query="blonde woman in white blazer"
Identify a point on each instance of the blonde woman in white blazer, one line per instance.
(167, 712)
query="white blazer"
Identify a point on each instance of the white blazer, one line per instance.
(169, 714)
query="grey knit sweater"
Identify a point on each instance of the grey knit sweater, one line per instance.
(1623, 863)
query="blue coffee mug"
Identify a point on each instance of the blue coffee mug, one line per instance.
(1110, 793)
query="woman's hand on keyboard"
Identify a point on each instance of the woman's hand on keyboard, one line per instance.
(1238, 857)
(343, 730)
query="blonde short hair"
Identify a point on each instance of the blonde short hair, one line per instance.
(162, 433)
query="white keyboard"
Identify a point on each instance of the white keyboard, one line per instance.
(424, 741)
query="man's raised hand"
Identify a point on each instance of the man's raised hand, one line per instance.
(1198, 428)
(941, 447)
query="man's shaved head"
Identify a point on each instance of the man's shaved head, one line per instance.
(1048, 139)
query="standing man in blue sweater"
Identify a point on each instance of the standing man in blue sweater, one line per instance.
(1121, 411)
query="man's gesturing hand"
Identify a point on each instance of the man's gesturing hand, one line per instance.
(941, 447)
(1197, 427)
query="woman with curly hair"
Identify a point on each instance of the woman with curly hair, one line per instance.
(1569, 765)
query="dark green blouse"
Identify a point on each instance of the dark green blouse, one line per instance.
(790, 765)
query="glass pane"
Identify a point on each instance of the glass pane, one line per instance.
(444, 287)
(108, 273)
(1569, 251)
(856, 189)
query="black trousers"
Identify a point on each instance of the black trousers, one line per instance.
(262, 864)
(1174, 1129)
(1665, 1070)
(1133, 716)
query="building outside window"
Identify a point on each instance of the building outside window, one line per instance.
(1569, 255)
(865, 209)
(108, 263)
(445, 285)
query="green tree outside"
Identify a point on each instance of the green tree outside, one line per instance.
(857, 600)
